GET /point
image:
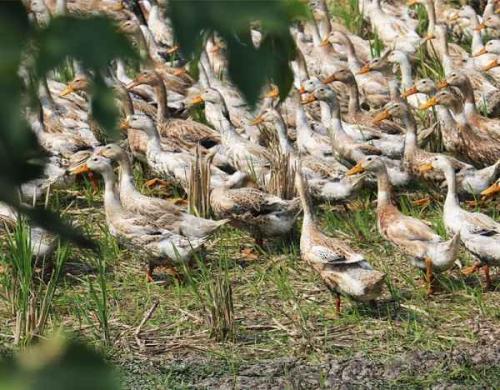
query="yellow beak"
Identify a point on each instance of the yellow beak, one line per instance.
(257, 121)
(273, 93)
(124, 125)
(173, 49)
(480, 52)
(330, 79)
(197, 100)
(358, 168)
(69, 89)
(325, 42)
(79, 169)
(491, 65)
(309, 99)
(491, 190)
(381, 116)
(425, 167)
(410, 91)
(442, 84)
(429, 103)
(480, 27)
(365, 69)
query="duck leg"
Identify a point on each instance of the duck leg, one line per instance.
(487, 277)
(337, 303)
(149, 273)
(428, 275)
(156, 181)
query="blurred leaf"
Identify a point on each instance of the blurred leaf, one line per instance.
(104, 107)
(57, 364)
(249, 67)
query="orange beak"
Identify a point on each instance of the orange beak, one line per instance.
(411, 2)
(257, 121)
(410, 91)
(491, 190)
(179, 72)
(425, 167)
(491, 65)
(365, 69)
(302, 90)
(197, 100)
(66, 91)
(79, 169)
(310, 99)
(480, 27)
(442, 84)
(325, 42)
(330, 79)
(273, 93)
(381, 116)
(124, 125)
(358, 168)
(480, 52)
(429, 103)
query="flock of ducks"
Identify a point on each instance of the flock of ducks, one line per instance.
(348, 123)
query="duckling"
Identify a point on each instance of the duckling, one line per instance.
(135, 231)
(262, 214)
(479, 233)
(425, 248)
(169, 215)
(342, 269)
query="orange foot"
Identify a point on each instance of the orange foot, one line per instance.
(422, 202)
(156, 182)
(470, 270)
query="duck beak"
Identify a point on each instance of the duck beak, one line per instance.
(173, 49)
(302, 90)
(491, 190)
(309, 99)
(480, 52)
(330, 79)
(425, 167)
(179, 72)
(358, 168)
(197, 100)
(411, 2)
(325, 42)
(428, 37)
(429, 103)
(381, 116)
(125, 124)
(442, 84)
(257, 121)
(410, 91)
(273, 93)
(491, 65)
(365, 69)
(66, 91)
(480, 27)
(78, 170)
(132, 84)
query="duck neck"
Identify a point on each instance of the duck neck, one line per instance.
(470, 101)
(410, 136)
(303, 129)
(431, 15)
(126, 176)
(325, 111)
(406, 76)
(460, 117)
(161, 97)
(477, 40)
(451, 182)
(384, 188)
(154, 143)
(111, 200)
(352, 58)
(305, 199)
(354, 106)
(285, 146)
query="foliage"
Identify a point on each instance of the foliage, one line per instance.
(32, 53)
(249, 67)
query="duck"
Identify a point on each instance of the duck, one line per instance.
(343, 270)
(262, 214)
(172, 217)
(173, 164)
(327, 179)
(479, 233)
(137, 232)
(470, 181)
(413, 237)
(462, 138)
(355, 115)
(490, 126)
